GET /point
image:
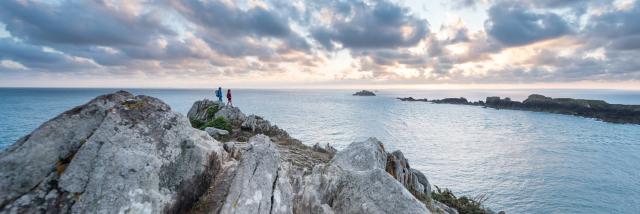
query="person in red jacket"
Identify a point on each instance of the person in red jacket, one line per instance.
(229, 97)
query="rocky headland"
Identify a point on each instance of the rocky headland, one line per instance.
(598, 109)
(121, 153)
(364, 93)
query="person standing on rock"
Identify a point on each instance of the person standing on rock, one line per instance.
(219, 94)
(229, 97)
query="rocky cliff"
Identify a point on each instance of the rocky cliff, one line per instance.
(132, 154)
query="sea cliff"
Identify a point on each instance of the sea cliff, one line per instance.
(121, 153)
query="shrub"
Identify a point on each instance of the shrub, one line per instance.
(211, 111)
(464, 205)
(195, 123)
(219, 123)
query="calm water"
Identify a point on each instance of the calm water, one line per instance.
(526, 162)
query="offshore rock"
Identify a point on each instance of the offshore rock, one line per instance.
(364, 93)
(117, 153)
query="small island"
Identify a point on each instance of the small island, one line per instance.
(364, 93)
(598, 109)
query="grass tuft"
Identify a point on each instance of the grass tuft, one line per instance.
(464, 204)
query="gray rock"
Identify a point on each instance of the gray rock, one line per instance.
(260, 184)
(54, 140)
(354, 182)
(111, 156)
(361, 156)
(199, 109)
(326, 149)
(374, 191)
(439, 207)
(412, 179)
(215, 132)
(232, 114)
(256, 124)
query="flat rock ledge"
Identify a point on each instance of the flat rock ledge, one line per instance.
(121, 153)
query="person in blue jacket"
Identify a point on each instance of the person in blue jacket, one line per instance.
(219, 94)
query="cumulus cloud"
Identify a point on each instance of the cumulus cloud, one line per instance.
(513, 25)
(79, 23)
(380, 41)
(362, 25)
(618, 28)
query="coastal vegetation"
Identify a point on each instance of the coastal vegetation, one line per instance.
(464, 204)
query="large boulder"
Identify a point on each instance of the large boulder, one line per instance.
(117, 153)
(204, 110)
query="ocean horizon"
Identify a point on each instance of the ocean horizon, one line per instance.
(525, 162)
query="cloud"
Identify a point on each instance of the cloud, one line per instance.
(12, 65)
(361, 25)
(31, 56)
(617, 28)
(513, 25)
(381, 41)
(462, 4)
(79, 23)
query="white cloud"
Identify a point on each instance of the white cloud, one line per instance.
(12, 65)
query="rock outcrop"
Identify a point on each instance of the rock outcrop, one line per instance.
(216, 133)
(364, 93)
(356, 181)
(132, 154)
(117, 153)
(598, 109)
(411, 99)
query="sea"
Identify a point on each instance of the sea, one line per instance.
(522, 162)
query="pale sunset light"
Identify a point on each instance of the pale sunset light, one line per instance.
(333, 44)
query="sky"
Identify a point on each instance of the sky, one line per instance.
(320, 44)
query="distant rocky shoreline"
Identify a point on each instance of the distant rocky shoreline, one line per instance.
(598, 109)
(121, 153)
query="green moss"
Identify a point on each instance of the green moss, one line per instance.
(219, 123)
(195, 123)
(211, 111)
(135, 105)
(464, 204)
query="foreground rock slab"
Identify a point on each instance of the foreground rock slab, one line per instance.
(117, 153)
